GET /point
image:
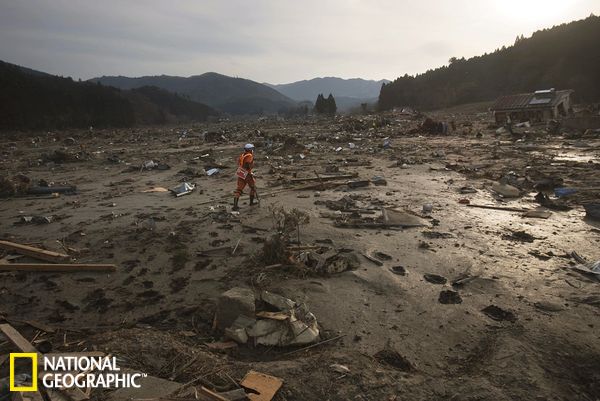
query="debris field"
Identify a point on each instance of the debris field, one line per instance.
(384, 261)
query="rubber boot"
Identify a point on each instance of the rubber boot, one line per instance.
(251, 200)
(235, 203)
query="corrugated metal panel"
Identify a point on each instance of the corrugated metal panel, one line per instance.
(512, 101)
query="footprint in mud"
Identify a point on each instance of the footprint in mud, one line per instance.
(499, 314)
(150, 294)
(97, 301)
(435, 279)
(178, 284)
(129, 265)
(202, 264)
(67, 305)
(382, 256)
(449, 297)
(394, 359)
(399, 270)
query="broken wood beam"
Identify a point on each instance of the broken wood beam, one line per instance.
(508, 209)
(304, 248)
(325, 178)
(372, 259)
(58, 267)
(17, 339)
(315, 345)
(211, 395)
(37, 253)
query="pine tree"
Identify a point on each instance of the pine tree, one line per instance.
(320, 106)
(331, 106)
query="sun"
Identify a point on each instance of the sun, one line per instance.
(534, 11)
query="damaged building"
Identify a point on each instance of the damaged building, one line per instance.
(540, 106)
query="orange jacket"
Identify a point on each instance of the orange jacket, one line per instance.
(246, 161)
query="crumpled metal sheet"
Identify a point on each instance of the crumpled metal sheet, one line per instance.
(183, 189)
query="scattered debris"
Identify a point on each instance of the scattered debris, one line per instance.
(592, 211)
(519, 236)
(436, 235)
(263, 387)
(584, 266)
(506, 191)
(286, 323)
(183, 189)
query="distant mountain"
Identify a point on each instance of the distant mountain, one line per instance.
(348, 93)
(32, 99)
(563, 57)
(231, 95)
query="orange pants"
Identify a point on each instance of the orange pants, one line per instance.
(241, 184)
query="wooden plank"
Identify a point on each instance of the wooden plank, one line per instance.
(265, 386)
(59, 267)
(222, 345)
(16, 338)
(372, 259)
(37, 253)
(273, 315)
(27, 396)
(304, 248)
(235, 395)
(508, 209)
(322, 178)
(211, 395)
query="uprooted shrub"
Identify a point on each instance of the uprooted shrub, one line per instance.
(274, 251)
(286, 222)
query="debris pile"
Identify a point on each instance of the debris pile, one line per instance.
(266, 319)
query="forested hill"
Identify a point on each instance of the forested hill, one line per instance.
(227, 94)
(34, 100)
(563, 57)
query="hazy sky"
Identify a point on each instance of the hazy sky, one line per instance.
(275, 41)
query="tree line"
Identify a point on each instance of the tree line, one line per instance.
(325, 106)
(34, 100)
(563, 57)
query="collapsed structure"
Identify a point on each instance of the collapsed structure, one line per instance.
(542, 105)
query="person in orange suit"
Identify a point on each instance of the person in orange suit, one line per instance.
(244, 176)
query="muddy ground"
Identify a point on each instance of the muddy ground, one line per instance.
(400, 342)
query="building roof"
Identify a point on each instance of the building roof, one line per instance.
(539, 99)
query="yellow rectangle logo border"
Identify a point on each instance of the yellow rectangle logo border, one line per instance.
(34, 370)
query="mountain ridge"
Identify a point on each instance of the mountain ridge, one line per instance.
(229, 94)
(33, 99)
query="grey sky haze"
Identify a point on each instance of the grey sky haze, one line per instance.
(266, 40)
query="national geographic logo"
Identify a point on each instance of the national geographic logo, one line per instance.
(64, 372)
(33, 357)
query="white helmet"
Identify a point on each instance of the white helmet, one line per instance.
(248, 146)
